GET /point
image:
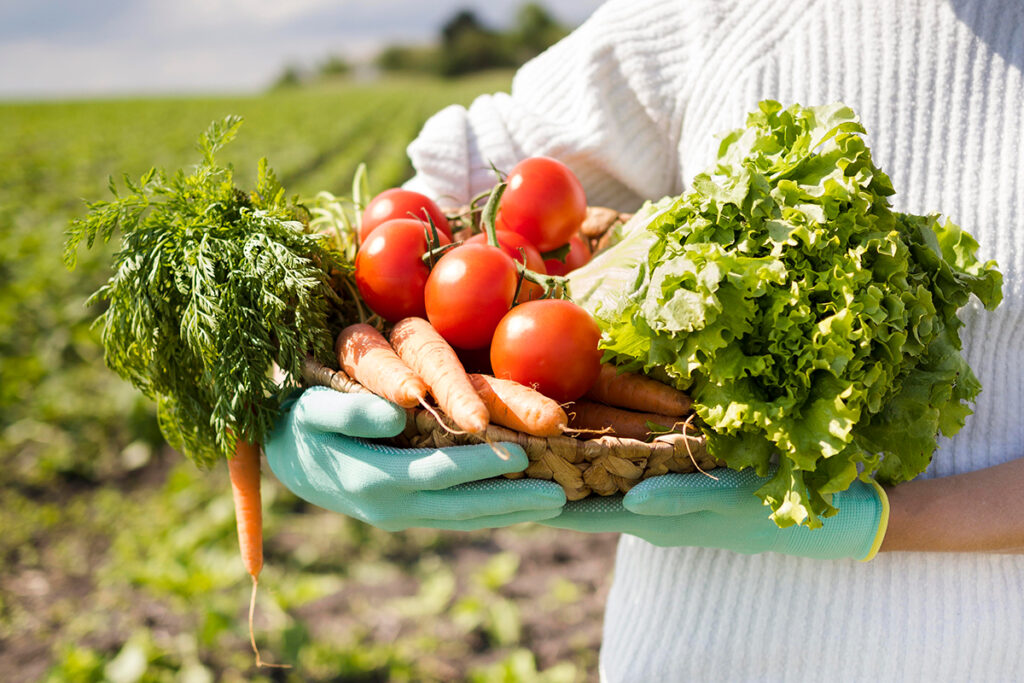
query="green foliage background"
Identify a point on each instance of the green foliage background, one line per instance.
(118, 559)
(467, 45)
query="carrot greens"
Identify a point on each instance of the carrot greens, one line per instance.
(211, 287)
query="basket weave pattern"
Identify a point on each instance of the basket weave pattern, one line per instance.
(604, 466)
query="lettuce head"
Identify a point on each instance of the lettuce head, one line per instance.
(814, 327)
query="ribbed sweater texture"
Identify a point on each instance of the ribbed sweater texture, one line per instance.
(633, 101)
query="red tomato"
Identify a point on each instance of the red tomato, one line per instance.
(550, 344)
(399, 203)
(511, 243)
(469, 290)
(579, 255)
(389, 269)
(543, 201)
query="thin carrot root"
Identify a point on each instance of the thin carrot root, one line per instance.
(252, 632)
(576, 430)
(367, 357)
(496, 448)
(587, 415)
(519, 407)
(244, 472)
(638, 392)
(434, 361)
(443, 423)
(686, 426)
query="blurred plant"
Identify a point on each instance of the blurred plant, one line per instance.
(520, 666)
(290, 77)
(334, 66)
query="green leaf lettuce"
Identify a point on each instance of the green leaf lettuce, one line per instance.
(813, 325)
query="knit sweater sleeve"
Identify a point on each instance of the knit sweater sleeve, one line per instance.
(607, 100)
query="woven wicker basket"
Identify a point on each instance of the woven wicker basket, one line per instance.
(603, 466)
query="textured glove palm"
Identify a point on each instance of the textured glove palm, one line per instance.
(696, 510)
(316, 451)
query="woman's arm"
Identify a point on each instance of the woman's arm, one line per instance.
(980, 511)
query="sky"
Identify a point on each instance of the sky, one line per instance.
(73, 48)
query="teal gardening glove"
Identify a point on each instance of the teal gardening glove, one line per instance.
(696, 510)
(318, 451)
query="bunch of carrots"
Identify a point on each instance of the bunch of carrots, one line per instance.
(415, 361)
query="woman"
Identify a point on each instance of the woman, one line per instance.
(632, 101)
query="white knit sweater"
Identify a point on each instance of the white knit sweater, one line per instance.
(632, 101)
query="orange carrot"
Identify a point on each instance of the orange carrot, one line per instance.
(637, 392)
(244, 472)
(597, 417)
(519, 407)
(434, 360)
(366, 356)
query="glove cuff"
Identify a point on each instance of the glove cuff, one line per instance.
(883, 522)
(854, 532)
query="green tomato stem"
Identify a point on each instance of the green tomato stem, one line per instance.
(431, 255)
(554, 286)
(490, 214)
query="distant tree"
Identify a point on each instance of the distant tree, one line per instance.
(467, 45)
(535, 30)
(291, 77)
(463, 23)
(416, 59)
(334, 67)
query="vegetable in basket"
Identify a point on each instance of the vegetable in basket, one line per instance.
(814, 327)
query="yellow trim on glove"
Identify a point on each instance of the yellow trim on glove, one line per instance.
(883, 522)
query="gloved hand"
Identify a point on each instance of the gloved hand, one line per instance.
(315, 451)
(696, 510)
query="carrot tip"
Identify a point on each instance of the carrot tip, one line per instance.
(686, 442)
(440, 420)
(500, 452)
(252, 633)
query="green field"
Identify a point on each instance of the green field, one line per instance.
(118, 559)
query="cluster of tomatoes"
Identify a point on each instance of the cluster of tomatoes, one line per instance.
(489, 301)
